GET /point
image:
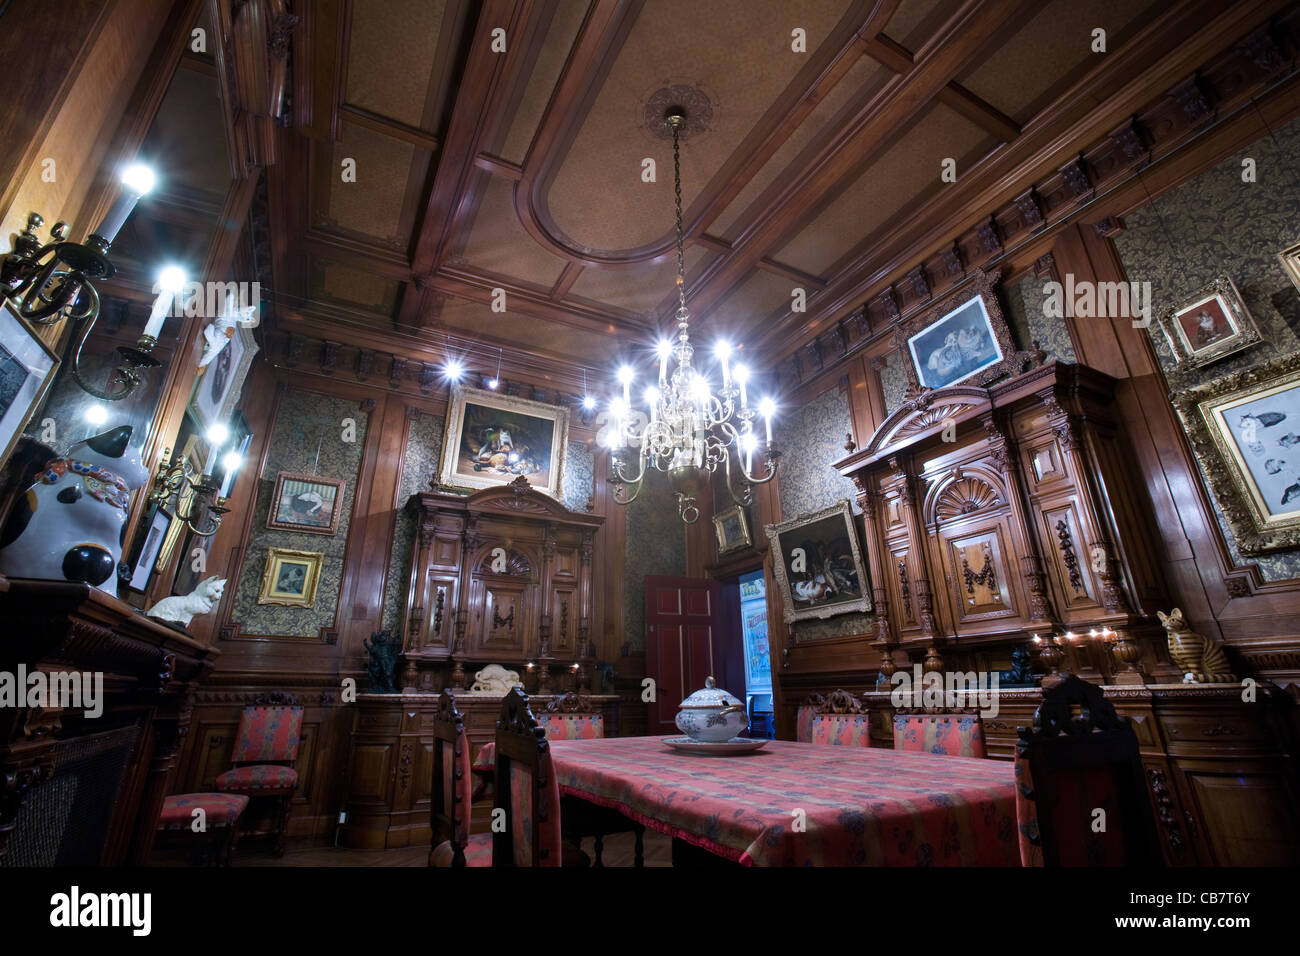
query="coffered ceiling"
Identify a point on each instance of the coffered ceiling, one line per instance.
(478, 170)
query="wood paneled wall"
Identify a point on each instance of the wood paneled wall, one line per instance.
(313, 666)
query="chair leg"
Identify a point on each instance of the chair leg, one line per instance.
(600, 848)
(282, 824)
(639, 859)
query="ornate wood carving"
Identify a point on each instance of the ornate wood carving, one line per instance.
(1065, 544)
(965, 496)
(905, 589)
(985, 577)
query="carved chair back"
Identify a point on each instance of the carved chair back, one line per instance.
(526, 789)
(839, 720)
(570, 717)
(1081, 800)
(452, 785)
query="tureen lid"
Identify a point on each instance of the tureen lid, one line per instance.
(710, 695)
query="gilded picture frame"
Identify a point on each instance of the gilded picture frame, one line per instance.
(1290, 259)
(818, 565)
(732, 529)
(1211, 325)
(969, 323)
(291, 577)
(311, 504)
(217, 389)
(492, 439)
(1244, 429)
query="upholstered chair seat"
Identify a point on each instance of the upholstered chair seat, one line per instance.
(257, 777)
(221, 813)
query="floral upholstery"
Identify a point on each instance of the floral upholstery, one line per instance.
(956, 735)
(846, 730)
(257, 777)
(478, 852)
(523, 811)
(804, 724)
(574, 726)
(268, 734)
(1079, 794)
(220, 809)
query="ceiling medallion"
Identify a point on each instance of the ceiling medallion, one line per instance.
(691, 431)
(693, 100)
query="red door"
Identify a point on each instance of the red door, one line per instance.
(682, 643)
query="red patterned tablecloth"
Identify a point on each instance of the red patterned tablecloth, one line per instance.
(861, 806)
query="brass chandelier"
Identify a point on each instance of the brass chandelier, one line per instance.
(691, 431)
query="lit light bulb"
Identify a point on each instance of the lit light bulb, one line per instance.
(231, 462)
(96, 414)
(722, 350)
(217, 434)
(651, 395)
(589, 402)
(171, 279)
(626, 374)
(492, 383)
(453, 370)
(138, 178)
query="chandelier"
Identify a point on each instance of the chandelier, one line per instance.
(691, 431)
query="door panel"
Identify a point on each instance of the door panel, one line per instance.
(682, 627)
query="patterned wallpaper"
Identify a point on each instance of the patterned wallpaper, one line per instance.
(893, 381)
(656, 544)
(306, 423)
(1023, 307)
(420, 462)
(811, 438)
(579, 476)
(1224, 226)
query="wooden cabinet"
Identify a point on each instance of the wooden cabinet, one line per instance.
(391, 769)
(994, 514)
(500, 576)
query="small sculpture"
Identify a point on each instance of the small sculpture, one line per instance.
(495, 679)
(68, 525)
(1201, 660)
(1020, 672)
(607, 675)
(183, 608)
(382, 666)
(219, 332)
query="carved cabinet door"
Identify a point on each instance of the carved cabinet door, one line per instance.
(501, 618)
(977, 574)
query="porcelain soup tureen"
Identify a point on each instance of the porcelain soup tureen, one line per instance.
(711, 715)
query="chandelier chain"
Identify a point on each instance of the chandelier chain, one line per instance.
(681, 255)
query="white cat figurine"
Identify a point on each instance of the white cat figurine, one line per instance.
(183, 609)
(68, 526)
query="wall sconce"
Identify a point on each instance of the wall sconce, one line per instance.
(206, 508)
(48, 282)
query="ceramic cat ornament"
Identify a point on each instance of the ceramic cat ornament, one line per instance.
(68, 526)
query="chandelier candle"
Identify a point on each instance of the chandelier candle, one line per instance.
(692, 431)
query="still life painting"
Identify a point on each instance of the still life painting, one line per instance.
(818, 564)
(495, 439)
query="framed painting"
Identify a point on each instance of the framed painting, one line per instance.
(147, 559)
(308, 503)
(818, 564)
(27, 368)
(962, 339)
(217, 389)
(494, 439)
(290, 577)
(1245, 432)
(732, 529)
(1214, 324)
(1290, 259)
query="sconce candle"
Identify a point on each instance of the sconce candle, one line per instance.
(170, 281)
(136, 181)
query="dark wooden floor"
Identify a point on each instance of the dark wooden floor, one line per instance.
(618, 852)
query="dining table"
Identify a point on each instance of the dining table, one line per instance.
(801, 804)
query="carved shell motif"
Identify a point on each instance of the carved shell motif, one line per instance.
(965, 496)
(929, 418)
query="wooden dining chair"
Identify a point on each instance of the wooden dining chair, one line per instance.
(452, 844)
(1080, 795)
(839, 720)
(528, 791)
(571, 716)
(954, 735)
(266, 748)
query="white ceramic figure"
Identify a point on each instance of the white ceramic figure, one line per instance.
(219, 332)
(68, 526)
(495, 679)
(183, 608)
(711, 715)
